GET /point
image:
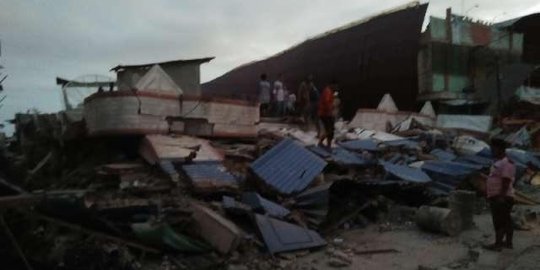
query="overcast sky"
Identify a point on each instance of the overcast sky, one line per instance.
(42, 39)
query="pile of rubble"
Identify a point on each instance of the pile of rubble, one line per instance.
(183, 202)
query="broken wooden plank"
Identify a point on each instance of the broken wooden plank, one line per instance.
(18, 201)
(11, 186)
(40, 164)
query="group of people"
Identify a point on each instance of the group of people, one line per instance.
(315, 107)
(275, 99)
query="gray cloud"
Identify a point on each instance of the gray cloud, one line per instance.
(43, 39)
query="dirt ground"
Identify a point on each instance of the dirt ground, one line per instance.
(420, 250)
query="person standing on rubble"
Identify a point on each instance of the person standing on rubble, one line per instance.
(326, 113)
(279, 94)
(314, 104)
(264, 95)
(337, 105)
(500, 194)
(304, 101)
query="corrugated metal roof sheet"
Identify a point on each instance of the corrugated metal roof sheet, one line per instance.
(522, 157)
(209, 175)
(339, 155)
(360, 145)
(313, 203)
(406, 173)
(474, 159)
(288, 167)
(443, 154)
(257, 202)
(449, 167)
(402, 143)
(280, 236)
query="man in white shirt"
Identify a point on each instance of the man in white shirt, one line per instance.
(279, 96)
(264, 94)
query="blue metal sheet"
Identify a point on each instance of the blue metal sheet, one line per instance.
(259, 203)
(280, 236)
(402, 143)
(474, 159)
(522, 157)
(209, 175)
(313, 203)
(443, 154)
(360, 145)
(450, 168)
(320, 151)
(339, 155)
(406, 173)
(235, 207)
(288, 167)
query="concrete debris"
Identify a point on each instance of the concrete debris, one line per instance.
(221, 233)
(158, 148)
(440, 220)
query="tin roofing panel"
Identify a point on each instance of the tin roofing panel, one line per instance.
(474, 159)
(407, 173)
(360, 145)
(339, 155)
(258, 202)
(288, 167)
(443, 154)
(280, 236)
(209, 175)
(449, 167)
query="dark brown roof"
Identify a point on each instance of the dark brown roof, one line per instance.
(368, 58)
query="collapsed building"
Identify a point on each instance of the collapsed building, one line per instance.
(157, 167)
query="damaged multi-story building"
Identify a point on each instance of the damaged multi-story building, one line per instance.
(474, 67)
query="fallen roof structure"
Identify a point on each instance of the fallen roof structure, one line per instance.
(339, 156)
(288, 167)
(263, 205)
(358, 60)
(406, 173)
(280, 236)
(210, 177)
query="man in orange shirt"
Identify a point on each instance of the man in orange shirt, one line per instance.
(326, 113)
